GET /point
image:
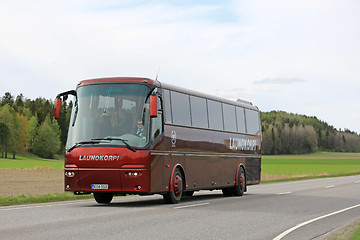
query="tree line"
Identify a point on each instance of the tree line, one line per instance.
(288, 133)
(28, 125)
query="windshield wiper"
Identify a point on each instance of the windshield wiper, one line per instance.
(119, 139)
(82, 143)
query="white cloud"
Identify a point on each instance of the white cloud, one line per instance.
(280, 80)
(238, 49)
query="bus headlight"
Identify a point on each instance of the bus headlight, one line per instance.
(70, 174)
(133, 174)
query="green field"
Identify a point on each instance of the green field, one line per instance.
(316, 164)
(29, 161)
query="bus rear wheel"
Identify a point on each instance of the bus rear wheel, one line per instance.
(103, 197)
(241, 186)
(177, 184)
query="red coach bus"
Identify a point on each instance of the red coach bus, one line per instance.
(141, 136)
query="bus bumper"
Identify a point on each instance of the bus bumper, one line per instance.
(107, 180)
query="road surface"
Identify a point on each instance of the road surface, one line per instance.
(308, 209)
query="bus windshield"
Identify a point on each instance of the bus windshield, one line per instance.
(110, 114)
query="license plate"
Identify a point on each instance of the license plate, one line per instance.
(99, 186)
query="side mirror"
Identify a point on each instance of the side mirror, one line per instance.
(153, 106)
(57, 108)
(58, 102)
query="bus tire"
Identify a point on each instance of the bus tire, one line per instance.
(241, 186)
(174, 196)
(103, 197)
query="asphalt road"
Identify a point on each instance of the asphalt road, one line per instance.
(293, 210)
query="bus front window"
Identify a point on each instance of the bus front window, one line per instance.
(111, 111)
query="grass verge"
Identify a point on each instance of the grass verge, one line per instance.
(289, 179)
(28, 199)
(356, 235)
(350, 232)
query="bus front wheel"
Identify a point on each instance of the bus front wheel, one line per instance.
(175, 195)
(103, 197)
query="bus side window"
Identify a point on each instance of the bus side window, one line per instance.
(167, 106)
(215, 115)
(180, 107)
(252, 121)
(156, 124)
(229, 117)
(240, 119)
(198, 112)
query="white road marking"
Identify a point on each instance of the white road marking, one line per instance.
(193, 205)
(357, 182)
(331, 186)
(313, 220)
(283, 193)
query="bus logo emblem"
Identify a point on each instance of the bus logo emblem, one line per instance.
(173, 139)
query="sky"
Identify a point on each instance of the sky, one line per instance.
(299, 56)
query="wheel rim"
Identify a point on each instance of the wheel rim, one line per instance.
(178, 186)
(242, 181)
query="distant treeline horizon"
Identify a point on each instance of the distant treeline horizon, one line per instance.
(29, 126)
(288, 133)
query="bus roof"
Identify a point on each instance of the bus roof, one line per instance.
(119, 79)
(238, 102)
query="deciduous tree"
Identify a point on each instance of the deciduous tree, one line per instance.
(4, 136)
(22, 142)
(47, 141)
(9, 117)
(33, 128)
